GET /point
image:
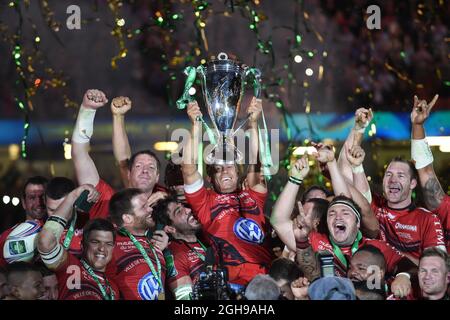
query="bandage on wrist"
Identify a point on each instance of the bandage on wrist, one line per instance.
(403, 273)
(358, 169)
(84, 126)
(53, 257)
(421, 153)
(55, 227)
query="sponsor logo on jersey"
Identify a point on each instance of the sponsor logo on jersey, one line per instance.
(398, 225)
(248, 230)
(148, 287)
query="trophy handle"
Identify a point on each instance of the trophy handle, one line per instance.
(256, 73)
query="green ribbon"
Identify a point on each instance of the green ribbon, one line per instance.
(256, 80)
(138, 245)
(100, 286)
(201, 256)
(70, 232)
(338, 252)
(185, 98)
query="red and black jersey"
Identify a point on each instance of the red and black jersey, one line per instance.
(75, 283)
(131, 272)
(101, 208)
(235, 226)
(443, 212)
(409, 230)
(321, 242)
(188, 260)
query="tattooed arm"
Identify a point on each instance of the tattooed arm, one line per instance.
(308, 262)
(432, 189)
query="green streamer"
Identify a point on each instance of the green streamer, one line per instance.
(186, 97)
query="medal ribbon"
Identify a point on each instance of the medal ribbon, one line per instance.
(338, 252)
(201, 256)
(69, 234)
(138, 245)
(100, 286)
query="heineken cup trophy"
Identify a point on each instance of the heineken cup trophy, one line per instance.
(223, 82)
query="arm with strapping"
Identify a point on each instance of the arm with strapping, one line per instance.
(85, 168)
(48, 242)
(422, 156)
(281, 213)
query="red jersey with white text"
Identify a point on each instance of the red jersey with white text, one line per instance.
(321, 242)
(443, 212)
(409, 230)
(235, 226)
(75, 283)
(131, 272)
(188, 260)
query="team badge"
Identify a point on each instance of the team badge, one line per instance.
(148, 287)
(248, 230)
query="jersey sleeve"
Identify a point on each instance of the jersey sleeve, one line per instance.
(101, 207)
(198, 200)
(3, 237)
(391, 255)
(432, 234)
(180, 268)
(259, 197)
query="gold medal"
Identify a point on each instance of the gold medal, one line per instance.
(161, 296)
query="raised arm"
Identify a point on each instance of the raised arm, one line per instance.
(362, 119)
(370, 226)
(190, 151)
(369, 223)
(282, 210)
(253, 175)
(85, 169)
(48, 242)
(421, 154)
(325, 154)
(121, 146)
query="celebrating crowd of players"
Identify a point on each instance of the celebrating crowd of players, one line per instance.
(149, 242)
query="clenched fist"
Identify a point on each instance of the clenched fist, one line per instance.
(94, 99)
(120, 105)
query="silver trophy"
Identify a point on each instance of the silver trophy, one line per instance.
(223, 83)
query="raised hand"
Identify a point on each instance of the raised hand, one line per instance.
(193, 111)
(155, 197)
(254, 109)
(300, 168)
(120, 105)
(355, 155)
(160, 239)
(421, 110)
(324, 152)
(303, 231)
(93, 195)
(94, 99)
(363, 117)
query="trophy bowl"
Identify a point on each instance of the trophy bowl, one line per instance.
(223, 82)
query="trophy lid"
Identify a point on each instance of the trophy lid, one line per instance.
(222, 63)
